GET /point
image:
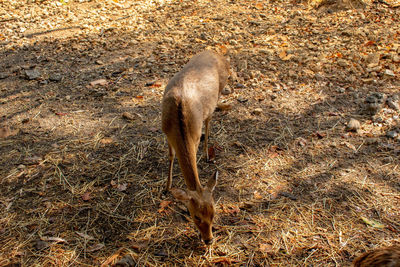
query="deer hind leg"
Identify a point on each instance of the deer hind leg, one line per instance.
(171, 157)
(206, 134)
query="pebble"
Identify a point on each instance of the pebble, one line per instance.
(128, 116)
(242, 65)
(343, 63)
(391, 134)
(55, 77)
(226, 91)
(241, 99)
(32, 74)
(257, 111)
(373, 58)
(374, 102)
(3, 75)
(389, 73)
(393, 104)
(353, 125)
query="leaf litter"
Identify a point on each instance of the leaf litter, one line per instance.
(293, 183)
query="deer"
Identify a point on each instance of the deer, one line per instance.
(189, 101)
(382, 257)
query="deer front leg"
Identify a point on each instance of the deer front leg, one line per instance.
(207, 132)
(171, 157)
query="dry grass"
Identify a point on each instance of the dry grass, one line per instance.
(82, 185)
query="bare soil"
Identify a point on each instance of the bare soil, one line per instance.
(83, 160)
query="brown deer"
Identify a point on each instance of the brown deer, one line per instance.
(381, 257)
(189, 100)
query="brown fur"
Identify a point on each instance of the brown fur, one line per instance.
(189, 100)
(382, 257)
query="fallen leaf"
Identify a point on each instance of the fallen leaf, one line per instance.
(282, 54)
(113, 183)
(85, 236)
(122, 187)
(211, 153)
(259, 6)
(86, 196)
(257, 195)
(224, 260)
(139, 245)
(351, 146)
(320, 135)
(60, 113)
(373, 223)
(54, 239)
(6, 132)
(164, 205)
(127, 260)
(369, 43)
(156, 84)
(223, 49)
(95, 247)
(232, 210)
(106, 140)
(139, 97)
(267, 248)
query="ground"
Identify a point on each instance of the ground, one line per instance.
(84, 162)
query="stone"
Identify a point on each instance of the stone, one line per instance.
(342, 63)
(257, 111)
(393, 104)
(242, 65)
(55, 77)
(389, 73)
(32, 74)
(392, 134)
(374, 102)
(373, 58)
(353, 125)
(4, 75)
(226, 91)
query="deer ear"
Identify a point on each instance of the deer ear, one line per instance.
(212, 182)
(180, 194)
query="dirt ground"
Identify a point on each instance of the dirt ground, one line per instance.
(84, 162)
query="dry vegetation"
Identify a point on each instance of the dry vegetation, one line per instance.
(83, 160)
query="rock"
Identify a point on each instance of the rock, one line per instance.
(226, 91)
(128, 116)
(374, 102)
(257, 111)
(392, 134)
(242, 65)
(55, 77)
(40, 244)
(4, 75)
(342, 63)
(224, 107)
(353, 125)
(389, 73)
(396, 59)
(373, 58)
(32, 74)
(99, 82)
(341, 90)
(241, 99)
(393, 104)
(126, 261)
